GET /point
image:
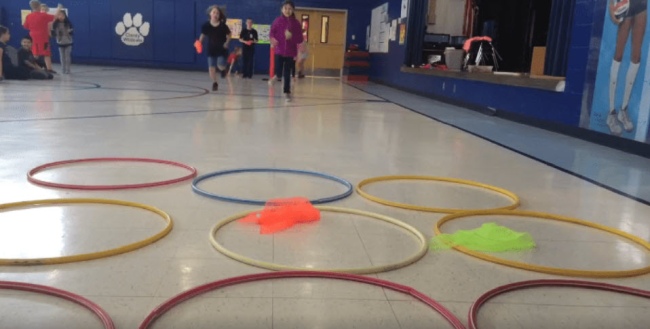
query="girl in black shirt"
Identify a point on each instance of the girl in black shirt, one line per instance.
(218, 35)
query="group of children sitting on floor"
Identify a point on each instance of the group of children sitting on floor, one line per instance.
(21, 64)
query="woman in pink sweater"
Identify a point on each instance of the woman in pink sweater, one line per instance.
(286, 35)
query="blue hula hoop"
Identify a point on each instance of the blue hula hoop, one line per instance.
(199, 191)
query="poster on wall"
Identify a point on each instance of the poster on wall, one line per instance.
(379, 29)
(263, 33)
(617, 94)
(404, 11)
(235, 26)
(23, 15)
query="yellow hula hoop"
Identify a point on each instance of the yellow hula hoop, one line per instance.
(93, 255)
(368, 270)
(547, 269)
(510, 195)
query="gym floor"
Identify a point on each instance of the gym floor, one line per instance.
(351, 131)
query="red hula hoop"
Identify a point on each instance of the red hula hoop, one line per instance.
(473, 310)
(103, 316)
(32, 179)
(169, 304)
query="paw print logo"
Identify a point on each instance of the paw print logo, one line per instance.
(132, 29)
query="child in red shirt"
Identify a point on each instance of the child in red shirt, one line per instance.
(39, 25)
(233, 60)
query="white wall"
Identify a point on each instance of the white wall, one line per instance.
(449, 17)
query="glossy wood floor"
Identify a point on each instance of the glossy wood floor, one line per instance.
(352, 132)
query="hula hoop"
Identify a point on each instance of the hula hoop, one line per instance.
(548, 269)
(99, 312)
(473, 311)
(32, 179)
(510, 195)
(197, 180)
(92, 255)
(368, 270)
(170, 303)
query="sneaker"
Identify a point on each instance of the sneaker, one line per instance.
(613, 125)
(215, 86)
(271, 81)
(287, 97)
(625, 120)
(223, 74)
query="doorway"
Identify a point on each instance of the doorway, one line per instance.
(325, 32)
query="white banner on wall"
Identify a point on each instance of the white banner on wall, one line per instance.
(393, 30)
(405, 9)
(379, 30)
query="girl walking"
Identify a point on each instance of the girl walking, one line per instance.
(286, 35)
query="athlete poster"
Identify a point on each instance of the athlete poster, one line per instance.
(235, 25)
(617, 96)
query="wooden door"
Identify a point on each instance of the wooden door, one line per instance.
(325, 33)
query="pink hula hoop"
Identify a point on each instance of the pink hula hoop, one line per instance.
(169, 304)
(473, 310)
(103, 316)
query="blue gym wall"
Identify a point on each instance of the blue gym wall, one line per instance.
(556, 107)
(175, 24)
